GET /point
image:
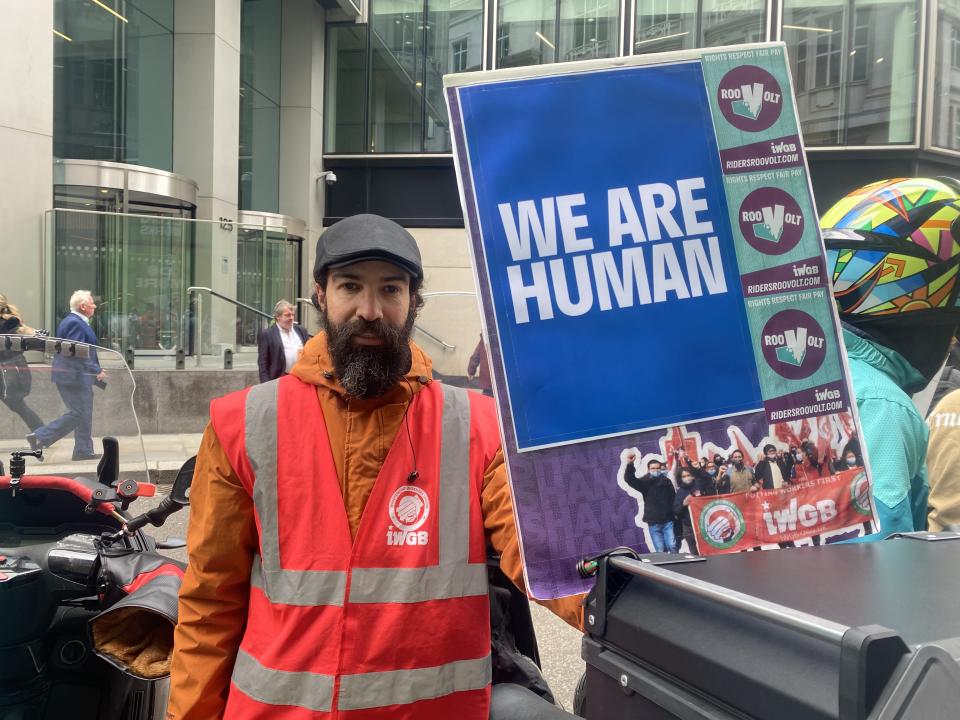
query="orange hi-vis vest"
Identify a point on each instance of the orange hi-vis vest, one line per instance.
(394, 624)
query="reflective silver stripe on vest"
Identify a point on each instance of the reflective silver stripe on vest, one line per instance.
(299, 587)
(455, 576)
(279, 687)
(287, 587)
(399, 687)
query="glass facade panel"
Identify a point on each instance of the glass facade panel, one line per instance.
(259, 151)
(946, 88)
(138, 268)
(390, 99)
(855, 73)
(397, 39)
(526, 32)
(113, 82)
(345, 88)
(260, 37)
(454, 44)
(588, 29)
(732, 22)
(268, 262)
(664, 25)
(259, 164)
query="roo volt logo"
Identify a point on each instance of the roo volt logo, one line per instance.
(750, 98)
(771, 221)
(793, 344)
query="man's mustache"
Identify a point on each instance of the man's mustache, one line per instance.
(377, 328)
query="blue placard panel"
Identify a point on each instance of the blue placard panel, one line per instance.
(608, 248)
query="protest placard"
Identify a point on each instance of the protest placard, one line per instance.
(654, 289)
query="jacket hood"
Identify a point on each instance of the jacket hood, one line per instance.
(889, 362)
(316, 368)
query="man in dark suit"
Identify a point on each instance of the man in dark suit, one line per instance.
(74, 378)
(279, 346)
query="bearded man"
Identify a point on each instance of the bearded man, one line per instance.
(340, 518)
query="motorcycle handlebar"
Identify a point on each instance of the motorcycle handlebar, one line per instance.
(91, 492)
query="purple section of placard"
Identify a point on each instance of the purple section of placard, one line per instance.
(797, 276)
(784, 152)
(826, 399)
(572, 505)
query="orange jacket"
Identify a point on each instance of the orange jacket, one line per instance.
(222, 537)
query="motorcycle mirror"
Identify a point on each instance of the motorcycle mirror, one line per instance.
(178, 498)
(180, 493)
(108, 469)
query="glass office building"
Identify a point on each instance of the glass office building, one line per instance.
(192, 141)
(860, 69)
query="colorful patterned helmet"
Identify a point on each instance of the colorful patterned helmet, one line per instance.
(894, 247)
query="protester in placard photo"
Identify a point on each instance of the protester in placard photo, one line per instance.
(711, 473)
(742, 477)
(723, 479)
(810, 466)
(658, 493)
(850, 457)
(690, 484)
(772, 473)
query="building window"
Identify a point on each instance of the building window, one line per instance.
(532, 28)
(503, 42)
(855, 68)
(731, 22)
(955, 111)
(259, 152)
(800, 65)
(955, 47)
(664, 25)
(861, 50)
(384, 81)
(113, 82)
(588, 29)
(827, 50)
(460, 53)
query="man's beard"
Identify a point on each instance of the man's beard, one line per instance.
(368, 371)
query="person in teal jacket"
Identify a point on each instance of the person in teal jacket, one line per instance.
(893, 249)
(894, 432)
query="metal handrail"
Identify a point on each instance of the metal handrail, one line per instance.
(199, 328)
(252, 309)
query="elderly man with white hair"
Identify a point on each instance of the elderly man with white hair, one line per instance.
(74, 378)
(279, 346)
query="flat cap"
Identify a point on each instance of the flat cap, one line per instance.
(367, 237)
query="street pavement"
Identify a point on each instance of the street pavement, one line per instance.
(559, 643)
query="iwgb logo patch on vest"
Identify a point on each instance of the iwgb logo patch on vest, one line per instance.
(409, 508)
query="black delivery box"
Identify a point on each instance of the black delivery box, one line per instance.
(849, 632)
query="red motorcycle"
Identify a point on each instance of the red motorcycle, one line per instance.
(88, 603)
